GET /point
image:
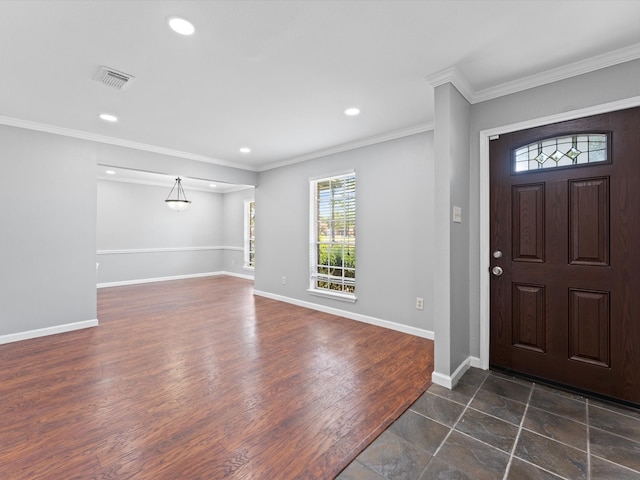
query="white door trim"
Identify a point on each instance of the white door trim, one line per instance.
(484, 198)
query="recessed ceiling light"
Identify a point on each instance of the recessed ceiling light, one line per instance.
(245, 150)
(351, 112)
(107, 117)
(212, 185)
(110, 172)
(181, 26)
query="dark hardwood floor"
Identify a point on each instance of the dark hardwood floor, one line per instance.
(199, 379)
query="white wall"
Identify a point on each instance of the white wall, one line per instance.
(134, 217)
(47, 234)
(395, 238)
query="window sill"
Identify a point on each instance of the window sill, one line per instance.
(334, 295)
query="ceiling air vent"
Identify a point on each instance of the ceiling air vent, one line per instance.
(112, 78)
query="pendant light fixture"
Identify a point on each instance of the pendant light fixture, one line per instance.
(179, 202)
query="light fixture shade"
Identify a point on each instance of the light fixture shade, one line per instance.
(178, 202)
(178, 205)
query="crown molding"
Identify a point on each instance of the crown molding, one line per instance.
(574, 69)
(82, 135)
(352, 145)
(67, 132)
(452, 75)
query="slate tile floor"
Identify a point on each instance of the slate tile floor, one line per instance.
(492, 426)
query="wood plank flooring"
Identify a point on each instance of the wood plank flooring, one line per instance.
(199, 379)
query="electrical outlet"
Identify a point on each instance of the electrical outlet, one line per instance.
(233, 262)
(420, 303)
(284, 280)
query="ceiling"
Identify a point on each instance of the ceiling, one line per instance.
(276, 76)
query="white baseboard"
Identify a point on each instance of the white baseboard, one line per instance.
(442, 380)
(476, 363)
(451, 381)
(418, 332)
(174, 277)
(159, 279)
(239, 275)
(43, 332)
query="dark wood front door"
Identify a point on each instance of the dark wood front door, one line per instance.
(565, 253)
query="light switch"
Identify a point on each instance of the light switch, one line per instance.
(457, 215)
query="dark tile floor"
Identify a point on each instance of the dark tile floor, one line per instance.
(492, 426)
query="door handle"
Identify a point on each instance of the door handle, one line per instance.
(497, 271)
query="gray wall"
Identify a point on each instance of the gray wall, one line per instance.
(459, 231)
(48, 231)
(395, 218)
(48, 227)
(592, 89)
(452, 241)
(233, 231)
(134, 217)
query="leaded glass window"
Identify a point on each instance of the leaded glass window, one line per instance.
(563, 151)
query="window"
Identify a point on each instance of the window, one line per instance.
(564, 151)
(333, 236)
(249, 234)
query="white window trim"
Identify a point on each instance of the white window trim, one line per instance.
(247, 229)
(345, 297)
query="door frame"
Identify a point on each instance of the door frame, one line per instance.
(485, 189)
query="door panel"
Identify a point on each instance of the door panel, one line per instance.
(528, 317)
(528, 223)
(589, 222)
(566, 307)
(589, 326)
